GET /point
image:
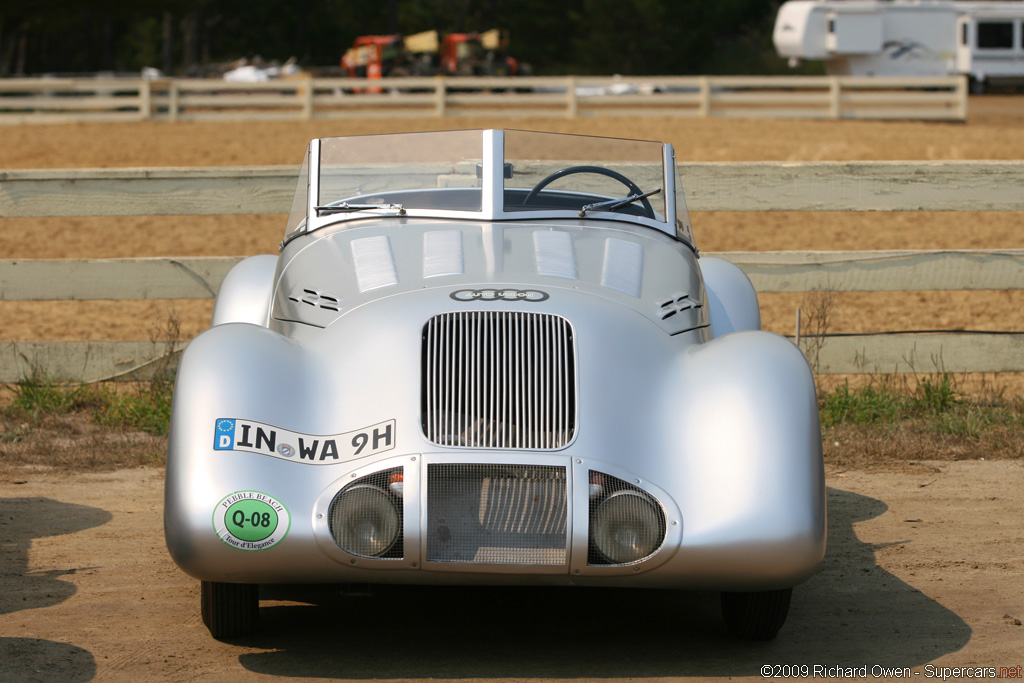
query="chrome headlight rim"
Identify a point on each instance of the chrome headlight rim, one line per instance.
(627, 526)
(379, 512)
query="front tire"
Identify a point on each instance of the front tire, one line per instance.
(229, 609)
(756, 615)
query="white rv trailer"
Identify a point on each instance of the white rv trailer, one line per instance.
(983, 40)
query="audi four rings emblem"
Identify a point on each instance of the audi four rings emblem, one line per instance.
(499, 295)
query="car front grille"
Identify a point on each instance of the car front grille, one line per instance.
(495, 379)
(496, 514)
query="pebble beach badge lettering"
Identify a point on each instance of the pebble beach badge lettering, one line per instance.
(251, 521)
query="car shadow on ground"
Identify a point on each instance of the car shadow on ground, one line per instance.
(25, 589)
(28, 660)
(852, 613)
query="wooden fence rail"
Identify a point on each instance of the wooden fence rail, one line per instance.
(713, 186)
(129, 279)
(48, 100)
(853, 186)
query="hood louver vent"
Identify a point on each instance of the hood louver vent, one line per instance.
(499, 380)
(677, 303)
(317, 299)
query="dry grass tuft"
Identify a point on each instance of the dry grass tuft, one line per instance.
(74, 442)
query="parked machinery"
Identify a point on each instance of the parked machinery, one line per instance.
(429, 54)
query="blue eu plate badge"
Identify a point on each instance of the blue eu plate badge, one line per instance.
(224, 437)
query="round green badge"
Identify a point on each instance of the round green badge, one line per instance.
(251, 520)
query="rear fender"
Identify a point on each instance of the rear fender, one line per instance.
(731, 297)
(245, 294)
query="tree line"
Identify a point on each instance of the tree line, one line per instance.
(193, 37)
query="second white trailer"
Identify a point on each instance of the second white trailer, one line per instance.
(984, 41)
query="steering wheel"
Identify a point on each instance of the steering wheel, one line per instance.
(599, 170)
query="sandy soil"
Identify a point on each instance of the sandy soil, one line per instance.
(995, 130)
(924, 569)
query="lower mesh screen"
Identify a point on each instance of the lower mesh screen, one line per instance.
(496, 514)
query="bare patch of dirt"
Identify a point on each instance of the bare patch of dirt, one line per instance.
(73, 442)
(922, 571)
(904, 446)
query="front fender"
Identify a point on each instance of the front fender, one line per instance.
(229, 371)
(744, 416)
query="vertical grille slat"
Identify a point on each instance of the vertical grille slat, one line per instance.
(496, 379)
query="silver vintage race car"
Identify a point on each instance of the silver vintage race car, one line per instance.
(493, 357)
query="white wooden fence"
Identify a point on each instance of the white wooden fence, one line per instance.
(767, 186)
(49, 100)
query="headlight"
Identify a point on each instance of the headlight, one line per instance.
(365, 520)
(625, 527)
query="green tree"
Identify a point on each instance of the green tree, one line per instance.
(684, 37)
(581, 36)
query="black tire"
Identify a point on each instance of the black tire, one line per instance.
(757, 615)
(229, 610)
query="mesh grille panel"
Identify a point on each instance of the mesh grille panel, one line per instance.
(496, 514)
(499, 380)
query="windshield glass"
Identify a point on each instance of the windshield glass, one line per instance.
(297, 214)
(557, 171)
(488, 175)
(373, 169)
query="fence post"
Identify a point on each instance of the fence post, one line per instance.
(705, 96)
(572, 103)
(834, 98)
(145, 100)
(441, 93)
(307, 98)
(961, 97)
(172, 100)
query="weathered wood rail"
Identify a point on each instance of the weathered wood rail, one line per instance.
(823, 186)
(48, 100)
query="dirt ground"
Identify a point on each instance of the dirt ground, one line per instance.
(924, 567)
